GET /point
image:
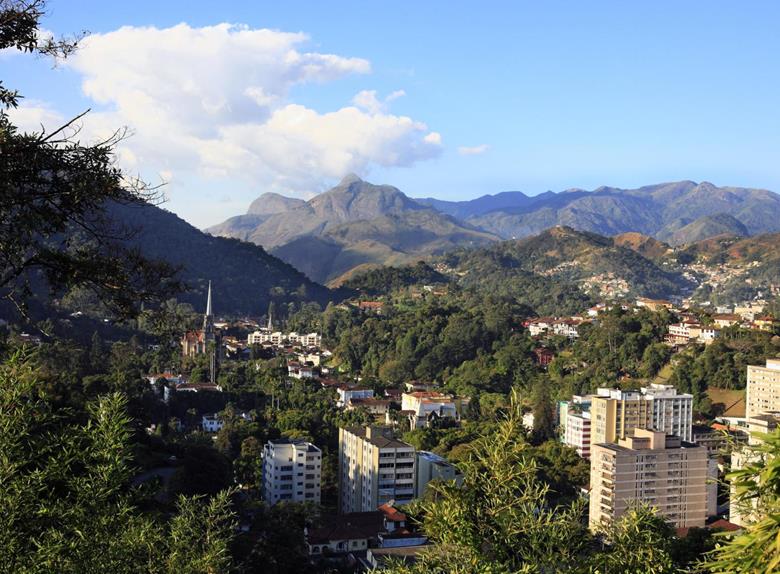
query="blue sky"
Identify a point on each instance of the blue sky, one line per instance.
(544, 95)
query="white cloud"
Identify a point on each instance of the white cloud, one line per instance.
(215, 102)
(367, 100)
(473, 150)
(35, 116)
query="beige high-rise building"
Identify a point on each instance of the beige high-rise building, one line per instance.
(374, 468)
(614, 414)
(763, 388)
(650, 467)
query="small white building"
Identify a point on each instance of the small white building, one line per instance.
(424, 406)
(292, 471)
(346, 394)
(298, 371)
(212, 423)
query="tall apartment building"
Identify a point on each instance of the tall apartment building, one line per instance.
(672, 413)
(615, 414)
(763, 388)
(374, 468)
(292, 471)
(577, 403)
(577, 433)
(653, 468)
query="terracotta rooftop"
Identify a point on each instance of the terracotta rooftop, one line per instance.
(392, 513)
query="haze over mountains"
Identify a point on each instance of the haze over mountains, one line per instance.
(358, 224)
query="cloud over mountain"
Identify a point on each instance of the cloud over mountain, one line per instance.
(216, 102)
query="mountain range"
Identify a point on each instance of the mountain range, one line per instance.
(569, 256)
(354, 225)
(357, 224)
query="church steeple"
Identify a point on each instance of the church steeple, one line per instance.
(270, 320)
(208, 319)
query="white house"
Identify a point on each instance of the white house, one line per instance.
(346, 394)
(424, 406)
(211, 423)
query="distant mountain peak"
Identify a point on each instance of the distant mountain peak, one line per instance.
(349, 179)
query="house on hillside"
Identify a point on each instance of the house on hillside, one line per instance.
(727, 319)
(653, 304)
(543, 356)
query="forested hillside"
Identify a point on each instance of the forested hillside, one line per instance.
(245, 277)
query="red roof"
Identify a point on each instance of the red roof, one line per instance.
(392, 513)
(724, 524)
(720, 524)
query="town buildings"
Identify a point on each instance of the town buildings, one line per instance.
(726, 319)
(355, 532)
(543, 356)
(653, 304)
(292, 471)
(650, 467)
(374, 468)
(566, 327)
(211, 423)
(687, 331)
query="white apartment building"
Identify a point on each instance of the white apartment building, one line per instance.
(577, 403)
(672, 413)
(653, 468)
(763, 388)
(577, 432)
(292, 471)
(305, 339)
(264, 336)
(278, 338)
(374, 468)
